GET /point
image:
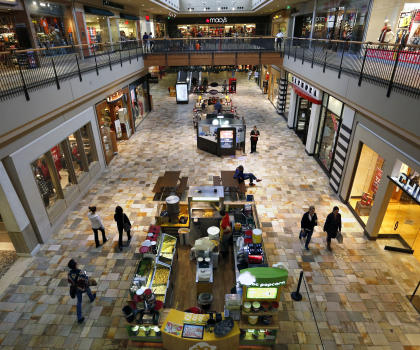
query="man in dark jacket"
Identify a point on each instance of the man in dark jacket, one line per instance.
(123, 223)
(241, 176)
(307, 224)
(332, 225)
(80, 281)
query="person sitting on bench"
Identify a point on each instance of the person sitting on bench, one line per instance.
(241, 176)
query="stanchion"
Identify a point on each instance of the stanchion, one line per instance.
(296, 296)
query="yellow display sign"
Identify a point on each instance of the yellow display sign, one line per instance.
(261, 293)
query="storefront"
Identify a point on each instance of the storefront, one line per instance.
(403, 19)
(304, 107)
(328, 131)
(280, 23)
(97, 26)
(160, 28)
(115, 121)
(51, 23)
(128, 27)
(219, 26)
(14, 27)
(140, 99)
(381, 187)
(343, 20)
(53, 172)
(274, 81)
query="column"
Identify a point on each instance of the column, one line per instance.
(14, 216)
(312, 128)
(292, 108)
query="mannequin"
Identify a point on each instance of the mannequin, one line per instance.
(389, 35)
(383, 31)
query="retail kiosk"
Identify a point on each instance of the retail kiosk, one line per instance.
(186, 295)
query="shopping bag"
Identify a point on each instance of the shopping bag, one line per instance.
(92, 282)
(303, 233)
(339, 237)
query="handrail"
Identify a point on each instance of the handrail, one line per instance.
(347, 42)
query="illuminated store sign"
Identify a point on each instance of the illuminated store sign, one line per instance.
(220, 20)
(410, 187)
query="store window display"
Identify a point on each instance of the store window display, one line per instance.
(97, 29)
(366, 182)
(127, 29)
(402, 217)
(328, 130)
(48, 21)
(139, 97)
(88, 145)
(76, 155)
(42, 171)
(65, 172)
(302, 117)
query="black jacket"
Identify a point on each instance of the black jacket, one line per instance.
(305, 223)
(120, 222)
(332, 224)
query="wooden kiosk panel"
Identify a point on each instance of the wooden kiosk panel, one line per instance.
(172, 341)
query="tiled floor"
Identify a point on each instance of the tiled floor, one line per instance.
(357, 292)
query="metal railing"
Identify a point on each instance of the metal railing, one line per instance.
(217, 44)
(23, 71)
(394, 67)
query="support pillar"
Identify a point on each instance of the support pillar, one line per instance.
(292, 109)
(312, 128)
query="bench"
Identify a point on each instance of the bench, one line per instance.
(182, 186)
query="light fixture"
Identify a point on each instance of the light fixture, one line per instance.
(218, 9)
(233, 9)
(34, 3)
(42, 4)
(204, 9)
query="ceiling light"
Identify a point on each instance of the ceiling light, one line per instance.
(233, 9)
(218, 9)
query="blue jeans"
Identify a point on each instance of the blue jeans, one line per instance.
(79, 301)
(249, 176)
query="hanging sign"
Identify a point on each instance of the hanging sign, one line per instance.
(407, 185)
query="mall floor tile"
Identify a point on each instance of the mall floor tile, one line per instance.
(353, 297)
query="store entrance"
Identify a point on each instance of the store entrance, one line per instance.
(302, 117)
(402, 219)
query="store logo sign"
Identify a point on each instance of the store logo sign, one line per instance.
(306, 91)
(202, 346)
(409, 186)
(217, 20)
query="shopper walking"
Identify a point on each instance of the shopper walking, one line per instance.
(332, 225)
(249, 74)
(96, 222)
(145, 41)
(224, 86)
(241, 176)
(79, 284)
(255, 134)
(307, 224)
(123, 223)
(256, 75)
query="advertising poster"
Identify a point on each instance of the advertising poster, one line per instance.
(226, 139)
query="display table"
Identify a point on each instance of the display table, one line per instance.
(173, 339)
(362, 210)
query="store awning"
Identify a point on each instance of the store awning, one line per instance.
(97, 11)
(264, 276)
(130, 17)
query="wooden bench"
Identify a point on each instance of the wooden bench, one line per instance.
(232, 184)
(182, 186)
(217, 181)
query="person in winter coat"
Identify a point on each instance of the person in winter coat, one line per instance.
(123, 223)
(80, 281)
(97, 225)
(307, 224)
(332, 225)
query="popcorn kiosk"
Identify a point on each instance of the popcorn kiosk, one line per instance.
(261, 290)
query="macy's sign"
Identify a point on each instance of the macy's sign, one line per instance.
(216, 20)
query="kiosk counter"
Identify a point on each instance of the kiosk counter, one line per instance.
(183, 330)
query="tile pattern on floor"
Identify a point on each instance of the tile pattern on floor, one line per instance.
(357, 292)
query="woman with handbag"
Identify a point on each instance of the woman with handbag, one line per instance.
(332, 226)
(97, 225)
(123, 223)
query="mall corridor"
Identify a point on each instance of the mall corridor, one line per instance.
(357, 292)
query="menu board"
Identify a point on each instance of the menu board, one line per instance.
(181, 92)
(261, 293)
(193, 331)
(173, 328)
(226, 139)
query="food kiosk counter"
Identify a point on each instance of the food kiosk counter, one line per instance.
(183, 330)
